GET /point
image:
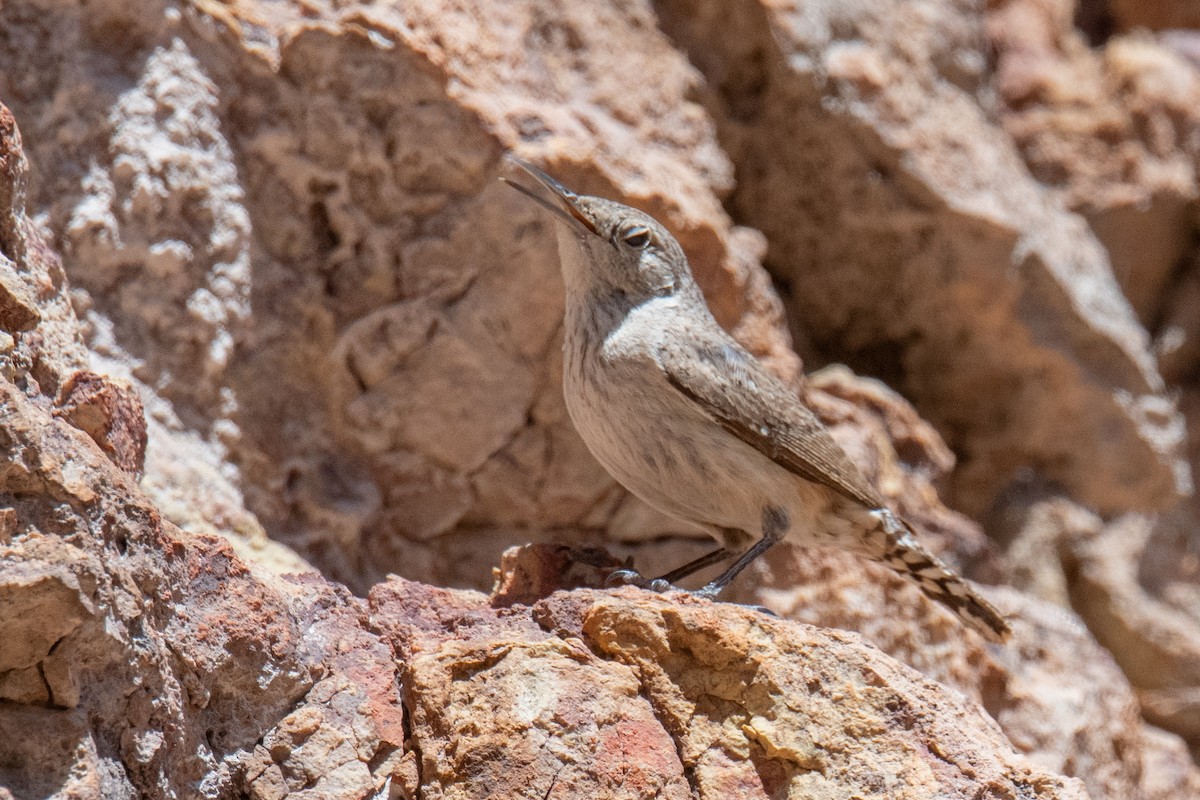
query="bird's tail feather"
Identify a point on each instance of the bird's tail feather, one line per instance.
(892, 542)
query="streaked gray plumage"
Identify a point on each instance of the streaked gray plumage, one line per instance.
(685, 418)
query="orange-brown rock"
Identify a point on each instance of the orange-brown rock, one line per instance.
(627, 694)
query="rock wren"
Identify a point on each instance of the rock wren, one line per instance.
(686, 419)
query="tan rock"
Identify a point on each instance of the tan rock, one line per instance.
(1112, 131)
(1156, 641)
(1038, 542)
(1169, 770)
(14, 178)
(527, 574)
(180, 656)
(1177, 341)
(43, 603)
(18, 310)
(917, 247)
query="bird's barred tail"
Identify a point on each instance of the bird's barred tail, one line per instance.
(893, 544)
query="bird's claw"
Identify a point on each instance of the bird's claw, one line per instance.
(631, 577)
(625, 577)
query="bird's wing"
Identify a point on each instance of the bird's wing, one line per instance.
(732, 387)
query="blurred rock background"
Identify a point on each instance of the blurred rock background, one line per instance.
(282, 233)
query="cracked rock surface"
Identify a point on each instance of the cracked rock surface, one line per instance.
(280, 388)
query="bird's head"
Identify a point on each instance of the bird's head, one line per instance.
(607, 247)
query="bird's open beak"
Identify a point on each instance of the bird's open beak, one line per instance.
(564, 209)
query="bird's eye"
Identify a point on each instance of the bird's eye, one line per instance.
(636, 236)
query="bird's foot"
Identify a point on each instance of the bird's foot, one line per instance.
(631, 577)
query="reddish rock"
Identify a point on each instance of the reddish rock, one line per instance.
(110, 412)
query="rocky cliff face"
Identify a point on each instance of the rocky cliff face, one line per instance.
(280, 384)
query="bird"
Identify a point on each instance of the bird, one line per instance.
(685, 418)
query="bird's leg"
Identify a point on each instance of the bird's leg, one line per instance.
(695, 565)
(775, 525)
(714, 587)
